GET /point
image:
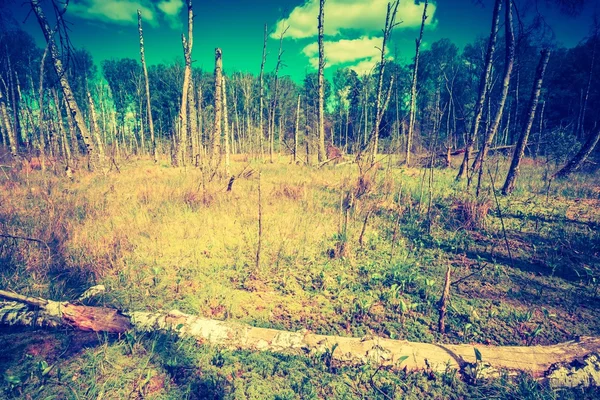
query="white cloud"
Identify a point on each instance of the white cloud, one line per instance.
(171, 10)
(365, 67)
(364, 52)
(171, 7)
(124, 12)
(367, 16)
(117, 11)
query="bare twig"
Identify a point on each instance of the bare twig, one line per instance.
(27, 239)
(32, 301)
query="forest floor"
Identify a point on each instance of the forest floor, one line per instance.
(161, 238)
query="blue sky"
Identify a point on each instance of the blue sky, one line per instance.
(108, 29)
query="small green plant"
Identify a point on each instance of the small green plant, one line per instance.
(473, 372)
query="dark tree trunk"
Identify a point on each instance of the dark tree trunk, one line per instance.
(575, 163)
(513, 172)
(483, 87)
(508, 67)
(73, 108)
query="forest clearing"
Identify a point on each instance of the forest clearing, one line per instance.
(426, 229)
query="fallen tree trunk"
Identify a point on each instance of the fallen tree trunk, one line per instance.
(491, 150)
(568, 364)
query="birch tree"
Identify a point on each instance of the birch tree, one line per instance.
(7, 126)
(321, 91)
(181, 143)
(296, 131)
(413, 90)
(216, 136)
(513, 171)
(225, 126)
(73, 108)
(261, 94)
(577, 161)
(147, 84)
(508, 67)
(271, 127)
(483, 88)
(390, 23)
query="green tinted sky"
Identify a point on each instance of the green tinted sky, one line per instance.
(108, 29)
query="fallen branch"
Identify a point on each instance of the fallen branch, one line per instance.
(444, 301)
(548, 363)
(464, 278)
(28, 239)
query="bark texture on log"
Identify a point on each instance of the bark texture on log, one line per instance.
(571, 363)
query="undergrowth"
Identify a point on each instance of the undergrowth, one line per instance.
(526, 271)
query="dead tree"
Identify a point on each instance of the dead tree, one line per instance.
(443, 303)
(73, 108)
(577, 161)
(181, 143)
(413, 89)
(321, 87)
(483, 88)
(508, 67)
(216, 131)
(390, 24)
(271, 127)
(551, 364)
(296, 131)
(147, 84)
(261, 94)
(513, 171)
(7, 126)
(225, 126)
(41, 122)
(94, 128)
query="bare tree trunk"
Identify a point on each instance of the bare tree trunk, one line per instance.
(536, 150)
(73, 107)
(443, 304)
(216, 137)
(192, 124)
(483, 87)
(517, 118)
(7, 126)
(226, 127)
(274, 98)
(508, 67)
(296, 131)
(141, 130)
(261, 106)
(180, 155)
(513, 172)
(94, 124)
(413, 90)
(581, 130)
(4, 132)
(41, 124)
(147, 84)
(320, 85)
(199, 138)
(237, 131)
(575, 163)
(390, 23)
(14, 100)
(63, 134)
